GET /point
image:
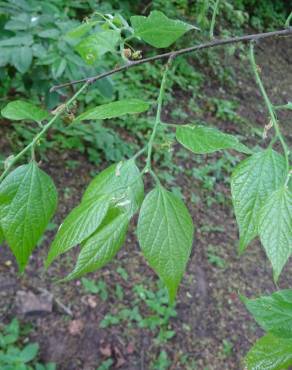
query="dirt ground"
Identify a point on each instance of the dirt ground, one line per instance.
(212, 328)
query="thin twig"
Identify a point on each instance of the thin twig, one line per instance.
(211, 44)
(57, 301)
(287, 23)
(63, 307)
(45, 128)
(269, 106)
(211, 33)
(158, 113)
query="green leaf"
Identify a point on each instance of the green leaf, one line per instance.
(81, 222)
(19, 110)
(270, 353)
(19, 23)
(80, 30)
(273, 313)
(13, 328)
(5, 56)
(59, 67)
(51, 366)
(29, 352)
(251, 183)
(90, 286)
(103, 245)
(22, 58)
(201, 140)
(158, 30)
(51, 33)
(17, 41)
(95, 46)
(28, 199)
(165, 233)
(122, 182)
(114, 109)
(275, 228)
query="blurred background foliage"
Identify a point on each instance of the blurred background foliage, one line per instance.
(39, 48)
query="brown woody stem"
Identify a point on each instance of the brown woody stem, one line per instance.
(173, 54)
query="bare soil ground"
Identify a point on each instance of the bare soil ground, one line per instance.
(209, 312)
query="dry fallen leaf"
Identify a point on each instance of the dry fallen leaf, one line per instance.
(106, 350)
(92, 301)
(76, 327)
(119, 357)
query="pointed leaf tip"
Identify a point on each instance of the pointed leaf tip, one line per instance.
(275, 228)
(201, 140)
(158, 30)
(103, 245)
(165, 233)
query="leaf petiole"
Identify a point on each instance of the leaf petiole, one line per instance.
(158, 113)
(269, 105)
(43, 131)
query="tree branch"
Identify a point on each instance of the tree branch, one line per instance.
(45, 128)
(173, 54)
